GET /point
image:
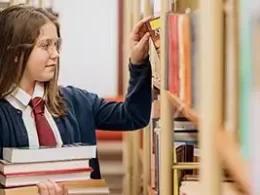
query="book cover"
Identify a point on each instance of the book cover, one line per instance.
(80, 144)
(153, 27)
(74, 151)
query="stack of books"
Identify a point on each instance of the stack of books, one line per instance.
(22, 168)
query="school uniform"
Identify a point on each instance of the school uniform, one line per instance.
(86, 112)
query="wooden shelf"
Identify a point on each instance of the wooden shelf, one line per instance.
(141, 155)
(188, 112)
(187, 165)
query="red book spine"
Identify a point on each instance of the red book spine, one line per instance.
(66, 171)
(173, 66)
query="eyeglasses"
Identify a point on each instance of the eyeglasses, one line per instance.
(50, 44)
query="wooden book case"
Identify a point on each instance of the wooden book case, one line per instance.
(213, 129)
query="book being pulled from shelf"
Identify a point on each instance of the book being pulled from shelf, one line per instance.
(28, 166)
(153, 27)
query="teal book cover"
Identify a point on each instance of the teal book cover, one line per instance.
(254, 109)
(245, 73)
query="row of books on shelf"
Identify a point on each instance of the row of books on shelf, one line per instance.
(182, 69)
(185, 147)
(187, 179)
(181, 54)
(185, 150)
(22, 168)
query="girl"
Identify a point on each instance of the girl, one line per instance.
(35, 111)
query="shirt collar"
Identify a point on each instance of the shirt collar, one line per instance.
(20, 99)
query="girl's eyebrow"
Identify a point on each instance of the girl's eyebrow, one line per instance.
(49, 40)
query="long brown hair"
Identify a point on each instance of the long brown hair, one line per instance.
(20, 27)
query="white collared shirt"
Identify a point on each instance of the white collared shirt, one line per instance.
(20, 100)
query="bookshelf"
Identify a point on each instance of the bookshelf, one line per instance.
(216, 133)
(211, 107)
(184, 109)
(211, 92)
(127, 138)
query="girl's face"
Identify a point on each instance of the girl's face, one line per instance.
(42, 62)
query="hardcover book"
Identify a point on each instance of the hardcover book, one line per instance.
(153, 27)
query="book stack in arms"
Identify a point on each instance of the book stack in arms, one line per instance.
(22, 168)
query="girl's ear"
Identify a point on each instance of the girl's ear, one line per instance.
(16, 59)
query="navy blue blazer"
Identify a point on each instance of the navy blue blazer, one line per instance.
(87, 112)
